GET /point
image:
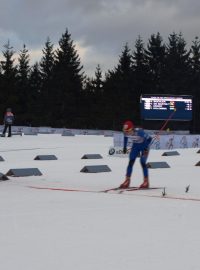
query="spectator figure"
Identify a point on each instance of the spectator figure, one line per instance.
(8, 122)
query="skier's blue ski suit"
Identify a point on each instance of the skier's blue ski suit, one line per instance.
(140, 147)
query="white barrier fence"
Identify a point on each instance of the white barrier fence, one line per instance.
(50, 130)
(172, 141)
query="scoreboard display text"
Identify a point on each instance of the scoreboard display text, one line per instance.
(157, 107)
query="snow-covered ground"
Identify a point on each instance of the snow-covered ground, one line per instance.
(44, 229)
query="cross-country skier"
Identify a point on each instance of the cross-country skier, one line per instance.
(140, 146)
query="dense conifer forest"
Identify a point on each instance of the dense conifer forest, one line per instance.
(56, 92)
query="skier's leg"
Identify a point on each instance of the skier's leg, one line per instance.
(143, 160)
(4, 130)
(9, 130)
(133, 154)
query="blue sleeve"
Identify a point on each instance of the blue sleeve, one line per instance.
(125, 142)
(141, 133)
(147, 138)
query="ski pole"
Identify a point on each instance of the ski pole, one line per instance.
(166, 122)
(164, 125)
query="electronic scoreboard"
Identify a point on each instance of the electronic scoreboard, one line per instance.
(161, 107)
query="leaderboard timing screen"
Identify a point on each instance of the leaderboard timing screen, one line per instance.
(157, 107)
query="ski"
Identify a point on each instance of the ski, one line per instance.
(112, 189)
(80, 190)
(122, 191)
(64, 189)
(130, 189)
(139, 188)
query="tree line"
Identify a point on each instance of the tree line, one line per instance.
(56, 91)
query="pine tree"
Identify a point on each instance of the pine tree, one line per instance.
(37, 116)
(23, 67)
(141, 68)
(8, 95)
(195, 55)
(98, 82)
(96, 105)
(66, 84)
(195, 83)
(118, 91)
(87, 96)
(47, 61)
(92, 101)
(46, 67)
(156, 61)
(23, 71)
(35, 80)
(177, 68)
(142, 76)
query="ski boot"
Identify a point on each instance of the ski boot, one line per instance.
(126, 183)
(145, 184)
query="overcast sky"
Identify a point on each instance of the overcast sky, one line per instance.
(99, 28)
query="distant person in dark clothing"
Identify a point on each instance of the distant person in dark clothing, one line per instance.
(8, 122)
